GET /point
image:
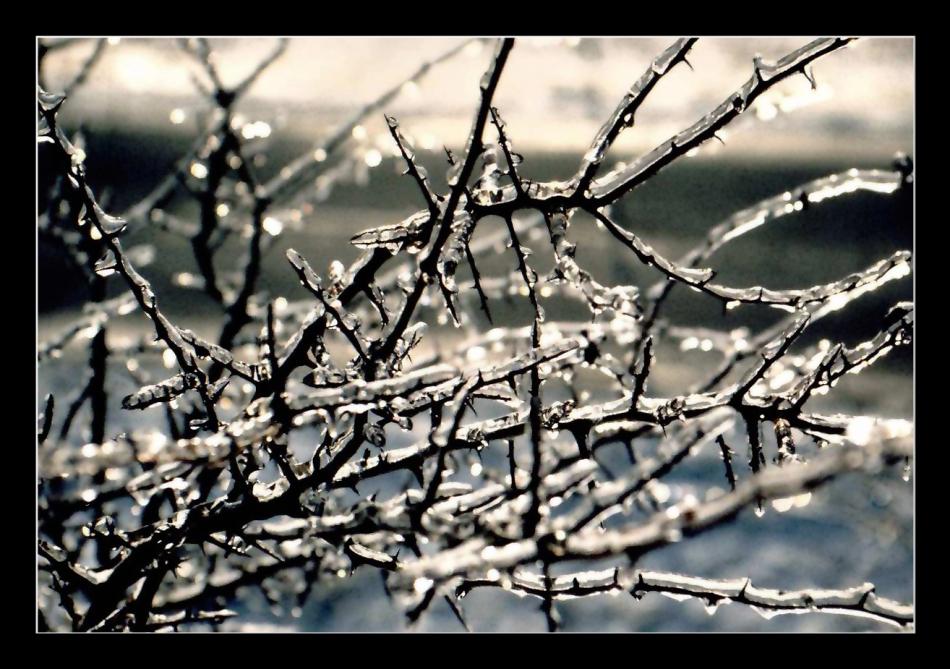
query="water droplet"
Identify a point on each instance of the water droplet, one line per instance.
(595, 155)
(375, 434)
(452, 175)
(78, 157)
(712, 607)
(106, 265)
(49, 101)
(337, 270)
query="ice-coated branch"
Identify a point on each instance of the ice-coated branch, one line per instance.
(412, 168)
(677, 522)
(700, 279)
(302, 168)
(349, 428)
(791, 201)
(764, 76)
(108, 228)
(860, 600)
(625, 114)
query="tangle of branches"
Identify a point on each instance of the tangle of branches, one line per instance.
(275, 430)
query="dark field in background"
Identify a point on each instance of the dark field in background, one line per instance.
(672, 212)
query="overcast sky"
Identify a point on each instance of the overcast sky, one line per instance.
(555, 93)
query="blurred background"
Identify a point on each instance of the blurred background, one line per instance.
(139, 111)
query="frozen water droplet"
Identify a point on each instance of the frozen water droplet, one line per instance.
(351, 322)
(595, 155)
(106, 265)
(49, 101)
(375, 434)
(110, 225)
(452, 175)
(699, 276)
(337, 270)
(768, 614)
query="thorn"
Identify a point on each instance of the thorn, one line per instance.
(810, 76)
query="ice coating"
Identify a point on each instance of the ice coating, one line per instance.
(288, 429)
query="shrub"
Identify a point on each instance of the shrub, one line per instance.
(275, 428)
